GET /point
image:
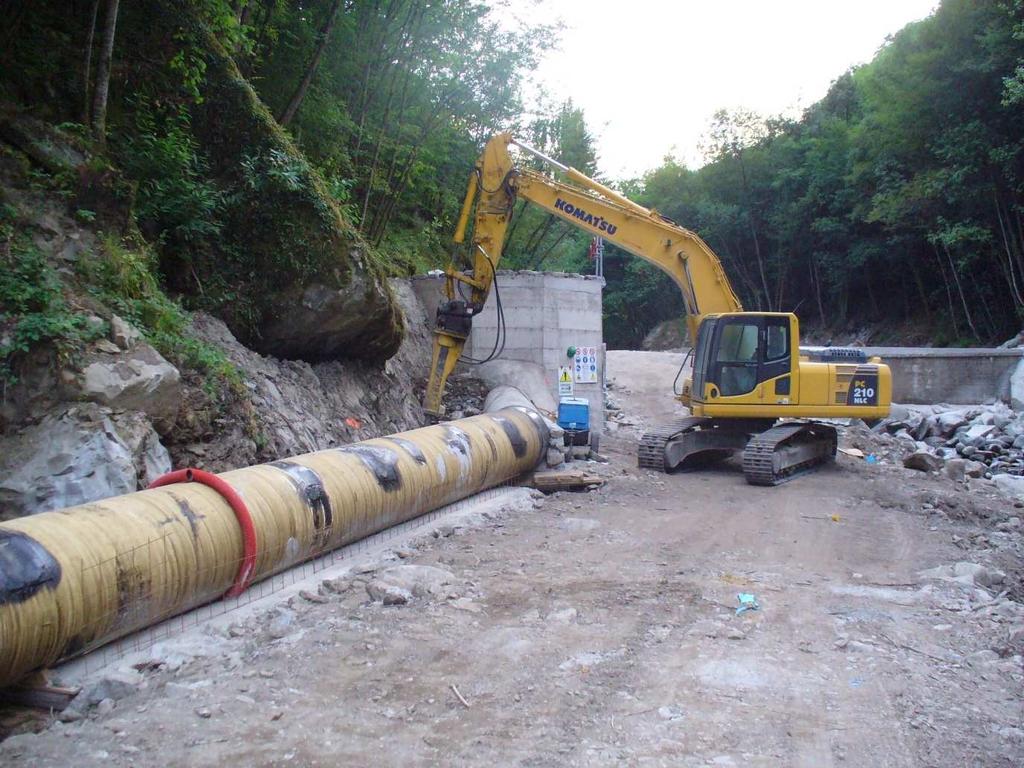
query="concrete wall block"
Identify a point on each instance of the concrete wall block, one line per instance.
(545, 314)
(937, 375)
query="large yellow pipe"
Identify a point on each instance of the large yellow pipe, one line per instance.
(77, 578)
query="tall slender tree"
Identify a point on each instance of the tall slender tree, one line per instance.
(288, 113)
(99, 102)
(87, 66)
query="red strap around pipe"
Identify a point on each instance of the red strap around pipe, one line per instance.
(248, 565)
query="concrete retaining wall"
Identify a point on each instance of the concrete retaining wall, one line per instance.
(941, 375)
(928, 375)
(545, 314)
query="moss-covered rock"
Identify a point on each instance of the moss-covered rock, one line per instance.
(46, 145)
(304, 284)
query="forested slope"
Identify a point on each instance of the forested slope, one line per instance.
(270, 162)
(250, 152)
(895, 202)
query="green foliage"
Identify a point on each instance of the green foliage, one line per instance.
(176, 202)
(898, 196)
(123, 278)
(33, 310)
(404, 95)
(275, 168)
(538, 240)
(399, 103)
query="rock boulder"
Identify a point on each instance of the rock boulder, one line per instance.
(124, 334)
(923, 462)
(81, 454)
(1011, 485)
(956, 470)
(303, 283)
(422, 581)
(137, 379)
(47, 145)
(322, 322)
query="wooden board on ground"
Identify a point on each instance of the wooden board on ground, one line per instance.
(565, 480)
(39, 696)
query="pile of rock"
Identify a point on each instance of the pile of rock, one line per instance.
(982, 440)
(464, 396)
(614, 416)
(93, 432)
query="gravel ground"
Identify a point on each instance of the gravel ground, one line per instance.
(601, 628)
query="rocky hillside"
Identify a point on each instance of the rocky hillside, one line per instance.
(107, 381)
(180, 285)
(115, 414)
(668, 335)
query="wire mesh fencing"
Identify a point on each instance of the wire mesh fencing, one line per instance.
(139, 608)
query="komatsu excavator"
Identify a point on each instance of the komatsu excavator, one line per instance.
(750, 377)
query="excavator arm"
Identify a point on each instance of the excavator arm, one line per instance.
(495, 185)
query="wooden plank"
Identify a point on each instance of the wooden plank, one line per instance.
(565, 480)
(48, 697)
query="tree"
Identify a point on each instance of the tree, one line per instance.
(99, 103)
(87, 67)
(314, 64)
(729, 139)
(537, 238)
(898, 196)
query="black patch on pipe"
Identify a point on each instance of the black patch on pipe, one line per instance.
(494, 447)
(515, 437)
(311, 490)
(410, 447)
(382, 462)
(542, 428)
(26, 567)
(188, 513)
(457, 440)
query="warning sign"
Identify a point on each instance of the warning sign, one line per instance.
(564, 381)
(585, 365)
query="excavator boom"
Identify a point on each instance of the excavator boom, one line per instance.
(495, 185)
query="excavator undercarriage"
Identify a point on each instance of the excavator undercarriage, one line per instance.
(772, 453)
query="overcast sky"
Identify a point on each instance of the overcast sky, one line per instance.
(649, 74)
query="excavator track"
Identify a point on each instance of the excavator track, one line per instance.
(651, 451)
(785, 451)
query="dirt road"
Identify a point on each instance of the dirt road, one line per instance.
(642, 383)
(601, 629)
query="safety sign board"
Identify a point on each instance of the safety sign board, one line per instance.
(564, 381)
(585, 365)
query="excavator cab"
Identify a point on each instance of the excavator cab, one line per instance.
(749, 373)
(751, 365)
(744, 359)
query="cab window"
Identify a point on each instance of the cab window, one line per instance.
(737, 358)
(776, 340)
(738, 344)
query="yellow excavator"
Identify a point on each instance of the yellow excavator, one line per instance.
(750, 377)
